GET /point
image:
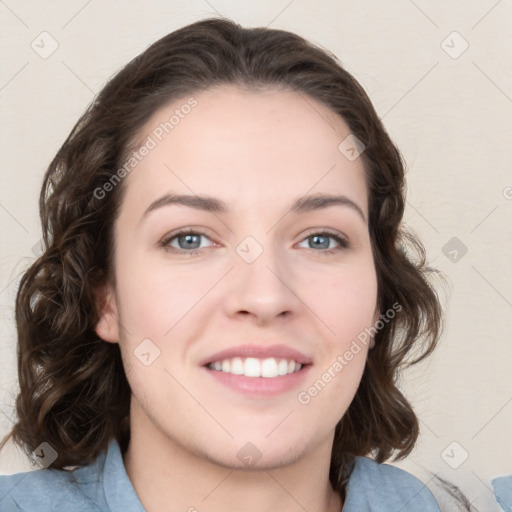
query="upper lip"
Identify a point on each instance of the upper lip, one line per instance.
(260, 352)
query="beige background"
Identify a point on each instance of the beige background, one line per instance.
(448, 111)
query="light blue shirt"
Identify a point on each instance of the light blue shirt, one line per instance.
(104, 486)
(503, 491)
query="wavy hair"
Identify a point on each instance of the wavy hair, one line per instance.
(73, 390)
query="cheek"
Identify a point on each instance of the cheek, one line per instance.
(155, 299)
(347, 303)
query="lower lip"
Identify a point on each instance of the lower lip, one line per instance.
(261, 386)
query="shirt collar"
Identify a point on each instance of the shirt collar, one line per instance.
(119, 492)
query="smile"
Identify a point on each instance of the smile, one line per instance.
(268, 368)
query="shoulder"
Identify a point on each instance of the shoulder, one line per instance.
(502, 487)
(48, 490)
(375, 487)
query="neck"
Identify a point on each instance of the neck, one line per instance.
(166, 476)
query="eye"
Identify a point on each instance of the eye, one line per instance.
(322, 240)
(187, 240)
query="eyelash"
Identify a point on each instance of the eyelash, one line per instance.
(343, 242)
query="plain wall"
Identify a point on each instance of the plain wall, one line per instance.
(448, 111)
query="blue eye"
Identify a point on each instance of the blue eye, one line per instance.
(189, 242)
(322, 241)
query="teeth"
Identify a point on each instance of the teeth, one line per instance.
(282, 367)
(253, 367)
(237, 366)
(269, 368)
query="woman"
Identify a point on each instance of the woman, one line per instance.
(225, 298)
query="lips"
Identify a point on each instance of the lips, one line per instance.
(257, 370)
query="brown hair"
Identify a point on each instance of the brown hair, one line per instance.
(73, 391)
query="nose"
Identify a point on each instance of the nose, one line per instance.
(262, 290)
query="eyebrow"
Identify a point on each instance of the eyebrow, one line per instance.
(210, 204)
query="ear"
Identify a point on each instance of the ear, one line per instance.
(107, 327)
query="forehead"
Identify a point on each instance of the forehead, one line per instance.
(238, 144)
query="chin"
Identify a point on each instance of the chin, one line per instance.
(250, 458)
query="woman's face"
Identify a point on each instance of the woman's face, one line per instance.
(261, 283)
